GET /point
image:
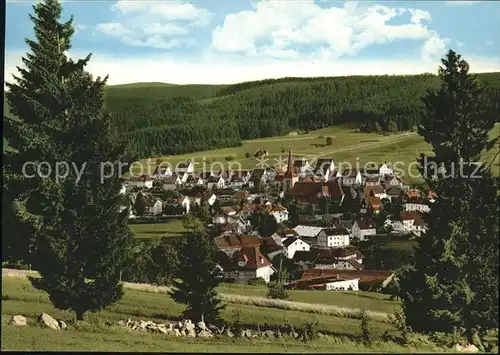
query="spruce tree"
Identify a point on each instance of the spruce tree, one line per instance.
(82, 240)
(442, 290)
(198, 278)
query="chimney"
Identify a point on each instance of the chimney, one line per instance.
(338, 277)
(261, 259)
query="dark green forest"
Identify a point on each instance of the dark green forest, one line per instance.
(166, 119)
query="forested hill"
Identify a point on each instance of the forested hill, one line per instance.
(164, 119)
(173, 119)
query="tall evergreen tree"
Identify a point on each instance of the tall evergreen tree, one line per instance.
(454, 261)
(198, 274)
(82, 239)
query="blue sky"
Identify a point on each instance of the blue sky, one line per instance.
(225, 41)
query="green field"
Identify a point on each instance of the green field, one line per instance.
(349, 147)
(170, 229)
(19, 297)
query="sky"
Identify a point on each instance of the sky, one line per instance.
(230, 41)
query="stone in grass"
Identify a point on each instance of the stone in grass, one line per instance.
(49, 322)
(62, 325)
(18, 321)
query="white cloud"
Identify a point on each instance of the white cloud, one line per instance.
(459, 44)
(434, 47)
(155, 24)
(214, 69)
(339, 30)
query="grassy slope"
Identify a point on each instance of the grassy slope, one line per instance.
(19, 297)
(348, 146)
(156, 230)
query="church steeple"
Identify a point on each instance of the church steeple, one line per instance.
(289, 169)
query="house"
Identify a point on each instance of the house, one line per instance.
(412, 194)
(370, 171)
(248, 263)
(185, 202)
(209, 197)
(247, 210)
(343, 223)
(293, 244)
(162, 170)
(234, 242)
(324, 168)
(330, 258)
(143, 181)
(172, 182)
(363, 228)
(367, 279)
(371, 205)
(228, 211)
(431, 196)
(375, 191)
(386, 170)
(302, 167)
(283, 234)
(309, 234)
(392, 181)
(351, 177)
(409, 222)
(236, 181)
(153, 205)
(187, 168)
(334, 237)
(279, 212)
(241, 195)
(193, 180)
(215, 182)
(416, 205)
(394, 193)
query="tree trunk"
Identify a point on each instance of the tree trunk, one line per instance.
(79, 315)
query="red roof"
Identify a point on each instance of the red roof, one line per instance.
(252, 258)
(366, 277)
(237, 241)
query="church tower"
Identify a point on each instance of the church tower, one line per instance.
(290, 177)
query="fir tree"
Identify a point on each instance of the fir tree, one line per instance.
(199, 278)
(454, 261)
(82, 240)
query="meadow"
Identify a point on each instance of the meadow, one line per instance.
(170, 229)
(349, 146)
(95, 333)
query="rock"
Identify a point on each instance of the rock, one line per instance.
(229, 333)
(62, 325)
(201, 325)
(183, 332)
(179, 325)
(205, 334)
(177, 332)
(189, 326)
(268, 334)
(295, 335)
(162, 328)
(49, 322)
(121, 323)
(18, 321)
(169, 326)
(468, 349)
(191, 333)
(243, 333)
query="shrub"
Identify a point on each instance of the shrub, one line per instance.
(309, 331)
(277, 291)
(283, 149)
(398, 321)
(447, 340)
(259, 281)
(329, 141)
(365, 328)
(229, 158)
(247, 155)
(237, 322)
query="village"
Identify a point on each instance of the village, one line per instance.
(322, 215)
